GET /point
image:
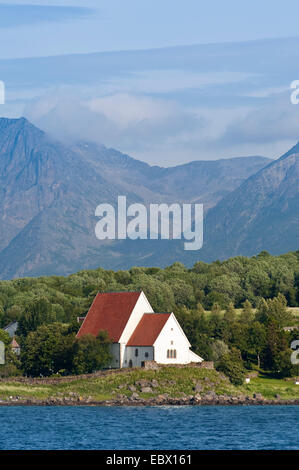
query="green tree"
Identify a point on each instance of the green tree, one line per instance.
(230, 313)
(5, 338)
(228, 285)
(12, 314)
(232, 366)
(274, 309)
(199, 308)
(216, 322)
(196, 328)
(47, 350)
(216, 310)
(215, 298)
(247, 315)
(183, 292)
(238, 338)
(276, 343)
(36, 313)
(257, 280)
(159, 293)
(283, 364)
(91, 354)
(219, 349)
(256, 340)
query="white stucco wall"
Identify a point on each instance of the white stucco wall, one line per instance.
(114, 349)
(194, 357)
(172, 337)
(142, 306)
(137, 361)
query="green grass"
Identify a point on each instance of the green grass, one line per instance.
(269, 387)
(176, 382)
(294, 311)
(8, 389)
(173, 381)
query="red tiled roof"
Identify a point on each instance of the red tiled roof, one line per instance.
(109, 311)
(148, 329)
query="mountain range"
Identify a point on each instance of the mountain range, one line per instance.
(49, 192)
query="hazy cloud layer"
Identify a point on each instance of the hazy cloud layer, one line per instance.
(165, 132)
(277, 120)
(132, 123)
(168, 105)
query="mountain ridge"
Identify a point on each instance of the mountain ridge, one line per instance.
(49, 192)
(261, 214)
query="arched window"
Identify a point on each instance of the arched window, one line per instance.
(136, 352)
(171, 354)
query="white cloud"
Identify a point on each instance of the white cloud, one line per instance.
(131, 123)
(274, 122)
(126, 110)
(164, 132)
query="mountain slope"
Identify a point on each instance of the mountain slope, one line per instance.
(49, 193)
(47, 201)
(198, 181)
(35, 174)
(261, 214)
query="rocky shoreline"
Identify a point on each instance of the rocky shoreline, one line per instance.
(149, 391)
(160, 400)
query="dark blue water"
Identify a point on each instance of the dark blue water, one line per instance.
(202, 427)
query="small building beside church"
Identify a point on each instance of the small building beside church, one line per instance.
(138, 334)
(15, 347)
(11, 328)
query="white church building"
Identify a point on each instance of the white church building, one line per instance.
(137, 333)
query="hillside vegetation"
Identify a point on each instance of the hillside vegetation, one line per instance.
(234, 280)
(236, 313)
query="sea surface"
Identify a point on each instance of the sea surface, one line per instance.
(169, 427)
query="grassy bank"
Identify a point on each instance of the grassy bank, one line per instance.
(293, 310)
(175, 382)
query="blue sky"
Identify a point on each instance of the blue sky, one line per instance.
(105, 25)
(165, 81)
(14, 16)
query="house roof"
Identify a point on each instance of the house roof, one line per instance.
(14, 344)
(148, 329)
(109, 311)
(13, 323)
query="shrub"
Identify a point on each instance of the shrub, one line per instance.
(232, 366)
